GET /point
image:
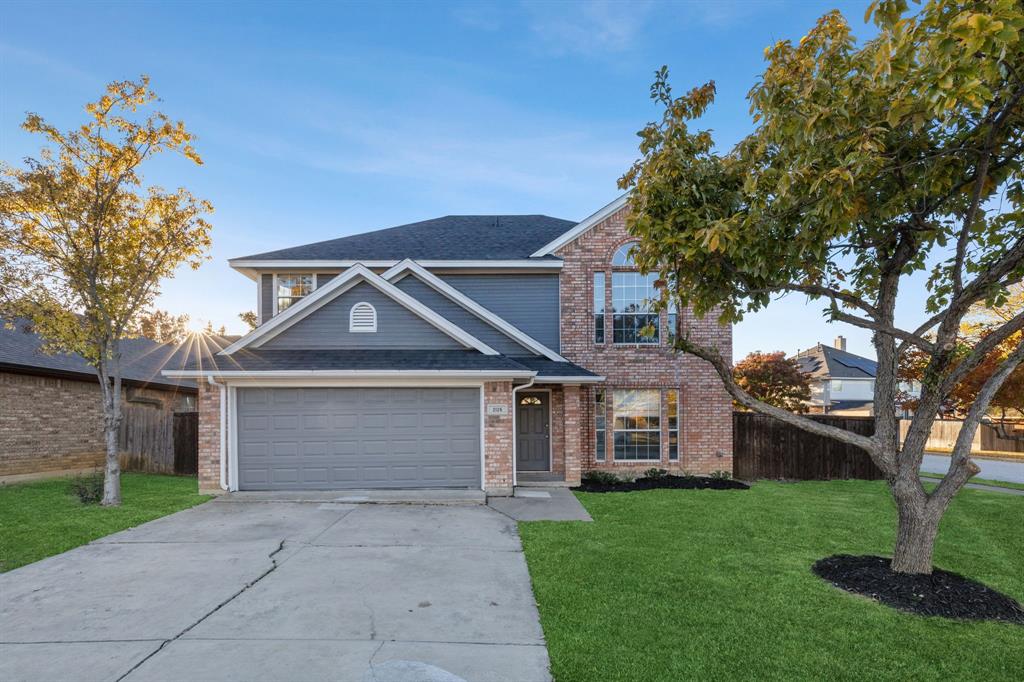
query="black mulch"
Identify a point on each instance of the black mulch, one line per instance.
(670, 481)
(940, 594)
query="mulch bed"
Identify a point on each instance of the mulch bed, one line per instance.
(670, 481)
(940, 594)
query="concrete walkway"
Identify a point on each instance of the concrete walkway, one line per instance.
(977, 486)
(541, 504)
(281, 591)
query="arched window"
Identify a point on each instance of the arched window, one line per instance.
(362, 318)
(624, 256)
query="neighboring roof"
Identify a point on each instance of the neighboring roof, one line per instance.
(142, 363)
(850, 405)
(452, 237)
(258, 360)
(828, 362)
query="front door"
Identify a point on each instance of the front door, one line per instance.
(533, 440)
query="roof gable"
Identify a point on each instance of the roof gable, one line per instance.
(338, 286)
(523, 340)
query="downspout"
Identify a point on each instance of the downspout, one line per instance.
(223, 431)
(515, 389)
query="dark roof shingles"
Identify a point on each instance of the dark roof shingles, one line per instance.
(827, 361)
(453, 237)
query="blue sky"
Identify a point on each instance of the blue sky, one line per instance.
(322, 120)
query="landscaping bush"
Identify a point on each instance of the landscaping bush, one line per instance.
(600, 478)
(88, 488)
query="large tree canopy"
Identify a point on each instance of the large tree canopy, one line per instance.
(84, 244)
(868, 163)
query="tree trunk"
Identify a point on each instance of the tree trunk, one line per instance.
(112, 474)
(915, 535)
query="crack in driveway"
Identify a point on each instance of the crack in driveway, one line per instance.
(218, 607)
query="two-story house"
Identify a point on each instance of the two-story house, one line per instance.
(841, 382)
(463, 351)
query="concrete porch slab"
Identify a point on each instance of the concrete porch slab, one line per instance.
(427, 496)
(559, 505)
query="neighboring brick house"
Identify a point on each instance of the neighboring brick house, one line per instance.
(463, 351)
(51, 417)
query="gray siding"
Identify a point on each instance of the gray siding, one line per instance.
(267, 292)
(461, 317)
(323, 278)
(528, 301)
(336, 438)
(327, 327)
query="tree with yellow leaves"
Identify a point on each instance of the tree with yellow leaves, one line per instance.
(84, 245)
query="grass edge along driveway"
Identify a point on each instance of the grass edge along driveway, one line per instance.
(700, 584)
(44, 518)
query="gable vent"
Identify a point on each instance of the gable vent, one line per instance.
(362, 318)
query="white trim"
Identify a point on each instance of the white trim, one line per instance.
(353, 373)
(439, 285)
(483, 440)
(273, 290)
(336, 287)
(569, 380)
(233, 439)
(368, 326)
(515, 436)
(515, 472)
(581, 227)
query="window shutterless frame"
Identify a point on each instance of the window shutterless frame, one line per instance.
(599, 293)
(299, 284)
(600, 426)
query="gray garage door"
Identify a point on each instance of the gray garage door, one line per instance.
(336, 438)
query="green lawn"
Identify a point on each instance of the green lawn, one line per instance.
(701, 584)
(44, 518)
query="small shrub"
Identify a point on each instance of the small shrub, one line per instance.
(655, 473)
(88, 488)
(688, 474)
(600, 478)
(722, 475)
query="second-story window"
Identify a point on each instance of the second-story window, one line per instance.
(291, 288)
(598, 307)
(634, 320)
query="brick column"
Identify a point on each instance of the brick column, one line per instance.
(208, 405)
(574, 434)
(498, 439)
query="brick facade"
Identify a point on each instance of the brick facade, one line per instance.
(51, 425)
(209, 439)
(705, 427)
(498, 439)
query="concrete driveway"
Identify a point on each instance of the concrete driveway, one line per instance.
(281, 591)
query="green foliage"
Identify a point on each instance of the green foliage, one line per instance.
(88, 488)
(721, 474)
(862, 156)
(655, 473)
(601, 478)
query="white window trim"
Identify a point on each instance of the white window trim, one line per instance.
(614, 430)
(273, 290)
(355, 328)
(626, 344)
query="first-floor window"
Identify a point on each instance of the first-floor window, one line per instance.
(291, 288)
(600, 415)
(636, 420)
(672, 400)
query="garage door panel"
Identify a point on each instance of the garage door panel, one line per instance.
(358, 438)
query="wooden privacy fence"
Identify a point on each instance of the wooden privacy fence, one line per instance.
(764, 447)
(159, 441)
(944, 433)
